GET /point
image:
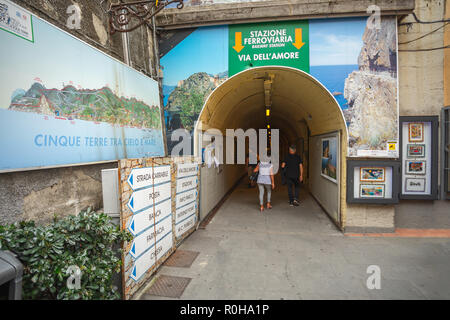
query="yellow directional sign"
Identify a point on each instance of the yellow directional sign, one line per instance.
(238, 42)
(298, 38)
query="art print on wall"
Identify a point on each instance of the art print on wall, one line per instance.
(372, 174)
(415, 150)
(329, 159)
(415, 132)
(371, 191)
(415, 167)
(415, 184)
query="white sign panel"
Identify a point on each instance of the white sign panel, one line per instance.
(161, 174)
(184, 198)
(185, 184)
(15, 20)
(145, 219)
(147, 239)
(184, 226)
(144, 263)
(164, 245)
(186, 169)
(140, 178)
(142, 199)
(185, 211)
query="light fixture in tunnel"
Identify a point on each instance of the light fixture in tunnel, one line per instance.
(268, 126)
(268, 112)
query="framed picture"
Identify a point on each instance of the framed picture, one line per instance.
(371, 190)
(415, 150)
(415, 184)
(372, 174)
(415, 132)
(329, 159)
(415, 167)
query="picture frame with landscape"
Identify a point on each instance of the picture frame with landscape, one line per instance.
(371, 190)
(372, 174)
(415, 167)
(415, 150)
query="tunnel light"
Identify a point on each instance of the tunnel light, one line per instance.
(268, 126)
(268, 112)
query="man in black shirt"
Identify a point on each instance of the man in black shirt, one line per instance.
(293, 170)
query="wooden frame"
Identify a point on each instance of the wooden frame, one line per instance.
(408, 170)
(411, 127)
(371, 180)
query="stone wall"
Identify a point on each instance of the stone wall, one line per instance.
(41, 194)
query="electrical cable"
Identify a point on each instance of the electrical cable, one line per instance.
(422, 22)
(427, 49)
(425, 34)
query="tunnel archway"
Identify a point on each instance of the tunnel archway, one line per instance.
(301, 108)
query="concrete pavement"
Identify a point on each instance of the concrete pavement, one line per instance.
(297, 253)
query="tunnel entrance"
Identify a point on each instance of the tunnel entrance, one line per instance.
(305, 113)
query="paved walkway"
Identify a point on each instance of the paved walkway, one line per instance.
(297, 253)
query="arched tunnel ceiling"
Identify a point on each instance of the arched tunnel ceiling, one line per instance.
(296, 97)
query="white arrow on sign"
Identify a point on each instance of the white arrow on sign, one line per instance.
(185, 184)
(185, 211)
(186, 169)
(185, 197)
(144, 219)
(147, 238)
(140, 178)
(164, 245)
(161, 174)
(144, 263)
(182, 227)
(143, 199)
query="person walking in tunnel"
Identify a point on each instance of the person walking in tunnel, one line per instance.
(292, 167)
(265, 181)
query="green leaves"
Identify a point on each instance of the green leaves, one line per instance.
(85, 241)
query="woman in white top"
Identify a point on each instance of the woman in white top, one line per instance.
(265, 180)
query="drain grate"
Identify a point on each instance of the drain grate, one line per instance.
(169, 286)
(181, 259)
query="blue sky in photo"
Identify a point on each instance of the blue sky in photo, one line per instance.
(336, 41)
(204, 50)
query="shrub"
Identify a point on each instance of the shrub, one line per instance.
(86, 240)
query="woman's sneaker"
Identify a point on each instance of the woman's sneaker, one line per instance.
(296, 203)
(291, 203)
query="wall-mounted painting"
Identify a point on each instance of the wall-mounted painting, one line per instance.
(371, 191)
(415, 150)
(415, 132)
(372, 174)
(329, 159)
(415, 167)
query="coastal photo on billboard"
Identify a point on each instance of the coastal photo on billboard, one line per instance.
(93, 109)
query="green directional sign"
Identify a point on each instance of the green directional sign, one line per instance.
(266, 44)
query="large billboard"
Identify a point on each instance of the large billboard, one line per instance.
(64, 102)
(355, 61)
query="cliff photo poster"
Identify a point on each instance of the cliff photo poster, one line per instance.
(94, 109)
(357, 64)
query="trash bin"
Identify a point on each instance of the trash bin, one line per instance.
(11, 270)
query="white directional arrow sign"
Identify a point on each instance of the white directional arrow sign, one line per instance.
(140, 178)
(161, 174)
(143, 199)
(184, 226)
(184, 198)
(145, 219)
(147, 238)
(185, 211)
(164, 245)
(144, 263)
(186, 169)
(185, 184)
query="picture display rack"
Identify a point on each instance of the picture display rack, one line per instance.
(418, 156)
(373, 181)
